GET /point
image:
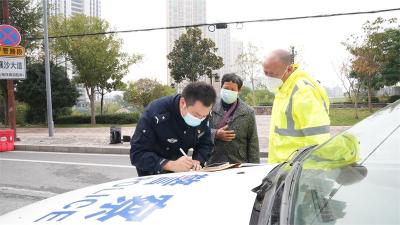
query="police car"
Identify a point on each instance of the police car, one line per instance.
(354, 178)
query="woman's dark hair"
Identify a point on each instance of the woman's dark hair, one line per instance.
(199, 91)
(232, 77)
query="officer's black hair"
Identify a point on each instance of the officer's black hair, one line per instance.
(199, 91)
(232, 77)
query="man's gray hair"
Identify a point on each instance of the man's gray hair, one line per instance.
(284, 55)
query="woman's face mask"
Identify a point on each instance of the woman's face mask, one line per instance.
(228, 96)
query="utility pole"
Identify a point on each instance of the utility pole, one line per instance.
(50, 123)
(10, 83)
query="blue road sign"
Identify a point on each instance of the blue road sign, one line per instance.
(9, 35)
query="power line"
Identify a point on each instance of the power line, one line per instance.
(220, 24)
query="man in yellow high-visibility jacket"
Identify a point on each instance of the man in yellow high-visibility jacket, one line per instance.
(300, 113)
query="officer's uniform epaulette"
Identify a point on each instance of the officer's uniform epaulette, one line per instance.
(161, 118)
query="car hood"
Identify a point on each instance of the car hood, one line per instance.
(223, 197)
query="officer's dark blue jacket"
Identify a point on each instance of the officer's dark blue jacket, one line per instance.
(161, 131)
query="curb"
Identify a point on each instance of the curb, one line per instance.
(72, 149)
(123, 150)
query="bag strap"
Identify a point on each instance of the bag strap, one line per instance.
(225, 118)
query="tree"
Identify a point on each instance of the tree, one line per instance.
(144, 91)
(114, 70)
(366, 67)
(351, 82)
(93, 56)
(193, 57)
(375, 55)
(244, 92)
(260, 97)
(26, 16)
(387, 46)
(32, 91)
(249, 66)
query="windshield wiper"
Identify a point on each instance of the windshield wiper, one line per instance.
(266, 183)
(302, 153)
(290, 184)
(276, 178)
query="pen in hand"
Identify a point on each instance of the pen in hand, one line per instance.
(183, 152)
(195, 166)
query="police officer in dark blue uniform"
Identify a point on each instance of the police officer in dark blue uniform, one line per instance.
(170, 123)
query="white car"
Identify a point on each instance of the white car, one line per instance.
(353, 178)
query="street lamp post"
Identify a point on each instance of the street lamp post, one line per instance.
(50, 123)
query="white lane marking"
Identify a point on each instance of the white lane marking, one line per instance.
(66, 163)
(69, 153)
(28, 192)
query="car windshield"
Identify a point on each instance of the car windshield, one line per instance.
(354, 178)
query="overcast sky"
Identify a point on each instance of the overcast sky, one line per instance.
(318, 41)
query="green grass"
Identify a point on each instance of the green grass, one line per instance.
(345, 117)
(338, 100)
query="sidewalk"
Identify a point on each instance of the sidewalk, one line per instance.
(78, 140)
(96, 140)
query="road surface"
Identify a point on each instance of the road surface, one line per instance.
(27, 177)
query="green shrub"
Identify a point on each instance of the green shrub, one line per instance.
(374, 100)
(121, 118)
(393, 98)
(35, 116)
(60, 112)
(21, 113)
(265, 104)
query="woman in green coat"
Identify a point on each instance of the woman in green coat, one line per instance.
(233, 126)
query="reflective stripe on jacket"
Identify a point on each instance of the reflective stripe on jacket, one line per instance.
(300, 116)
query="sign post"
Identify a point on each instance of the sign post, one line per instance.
(10, 84)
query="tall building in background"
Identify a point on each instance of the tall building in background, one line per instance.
(183, 12)
(236, 49)
(68, 8)
(93, 8)
(73, 7)
(222, 39)
(188, 12)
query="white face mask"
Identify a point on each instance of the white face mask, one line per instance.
(273, 84)
(192, 120)
(228, 96)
